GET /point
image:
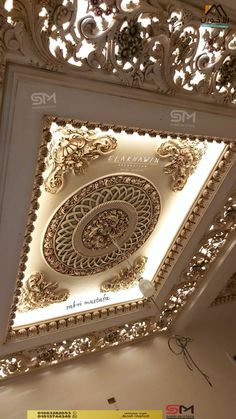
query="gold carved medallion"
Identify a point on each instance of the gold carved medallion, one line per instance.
(80, 237)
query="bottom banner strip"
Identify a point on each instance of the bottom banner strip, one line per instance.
(94, 414)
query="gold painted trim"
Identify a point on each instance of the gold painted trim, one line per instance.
(42, 356)
(223, 165)
(25, 361)
(29, 331)
(195, 214)
(209, 249)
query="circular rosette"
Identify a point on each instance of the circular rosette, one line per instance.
(101, 225)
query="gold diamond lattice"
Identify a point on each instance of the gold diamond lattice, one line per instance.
(80, 238)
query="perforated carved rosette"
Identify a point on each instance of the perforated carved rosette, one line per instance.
(82, 237)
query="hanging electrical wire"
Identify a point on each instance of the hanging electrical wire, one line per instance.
(181, 343)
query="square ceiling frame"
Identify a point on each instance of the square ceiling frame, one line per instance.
(190, 223)
(16, 75)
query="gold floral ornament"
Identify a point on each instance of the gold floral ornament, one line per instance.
(126, 278)
(184, 156)
(110, 223)
(66, 350)
(38, 293)
(70, 150)
(209, 248)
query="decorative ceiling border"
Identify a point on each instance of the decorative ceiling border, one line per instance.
(30, 331)
(210, 247)
(220, 232)
(228, 293)
(223, 166)
(149, 45)
(68, 349)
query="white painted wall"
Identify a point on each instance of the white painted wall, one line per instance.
(143, 376)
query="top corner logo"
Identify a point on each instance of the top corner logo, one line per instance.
(215, 17)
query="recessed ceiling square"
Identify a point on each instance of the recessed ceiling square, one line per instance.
(108, 204)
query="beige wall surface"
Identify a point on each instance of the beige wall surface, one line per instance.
(143, 376)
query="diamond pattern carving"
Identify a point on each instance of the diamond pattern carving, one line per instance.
(79, 238)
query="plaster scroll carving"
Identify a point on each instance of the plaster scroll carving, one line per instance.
(184, 156)
(126, 278)
(68, 349)
(210, 247)
(38, 293)
(71, 150)
(141, 43)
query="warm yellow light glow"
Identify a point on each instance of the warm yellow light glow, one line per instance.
(85, 291)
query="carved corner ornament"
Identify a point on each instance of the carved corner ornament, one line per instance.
(38, 293)
(184, 157)
(228, 294)
(171, 53)
(72, 152)
(126, 278)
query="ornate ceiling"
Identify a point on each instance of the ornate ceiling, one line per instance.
(85, 231)
(101, 225)
(110, 203)
(150, 44)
